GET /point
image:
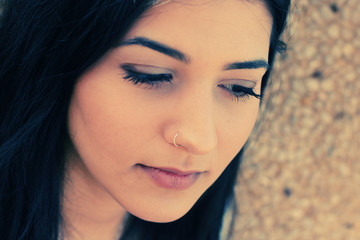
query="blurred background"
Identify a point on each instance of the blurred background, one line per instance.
(300, 175)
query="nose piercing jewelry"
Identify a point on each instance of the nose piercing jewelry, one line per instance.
(174, 140)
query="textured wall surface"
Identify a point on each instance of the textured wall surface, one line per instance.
(300, 177)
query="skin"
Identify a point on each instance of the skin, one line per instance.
(115, 125)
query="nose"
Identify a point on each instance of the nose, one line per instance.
(194, 124)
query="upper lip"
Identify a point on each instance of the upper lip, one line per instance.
(174, 170)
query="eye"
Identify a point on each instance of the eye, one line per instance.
(150, 79)
(239, 92)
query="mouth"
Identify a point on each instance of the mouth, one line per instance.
(171, 178)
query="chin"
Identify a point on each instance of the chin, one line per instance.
(162, 218)
(161, 215)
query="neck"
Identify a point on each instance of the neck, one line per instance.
(88, 211)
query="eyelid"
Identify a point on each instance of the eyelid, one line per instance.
(146, 69)
(242, 82)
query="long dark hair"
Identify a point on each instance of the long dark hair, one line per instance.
(45, 47)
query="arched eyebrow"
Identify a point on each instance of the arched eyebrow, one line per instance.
(178, 55)
(162, 48)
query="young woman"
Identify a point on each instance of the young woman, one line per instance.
(126, 119)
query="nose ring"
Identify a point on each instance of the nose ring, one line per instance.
(174, 140)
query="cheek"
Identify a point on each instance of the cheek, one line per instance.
(236, 129)
(92, 121)
(110, 124)
(102, 120)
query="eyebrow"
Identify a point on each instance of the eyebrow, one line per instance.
(142, 41)
(176, 54)
(254, 64)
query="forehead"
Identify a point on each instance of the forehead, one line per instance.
(221, 27)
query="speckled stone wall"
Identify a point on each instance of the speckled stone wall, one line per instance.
(300, 177)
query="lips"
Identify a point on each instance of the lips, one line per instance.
(171, 178)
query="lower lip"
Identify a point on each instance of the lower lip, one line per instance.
(171, 180)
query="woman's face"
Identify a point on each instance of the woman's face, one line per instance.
(187, 67)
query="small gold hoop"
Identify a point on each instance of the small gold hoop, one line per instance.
(174, 140)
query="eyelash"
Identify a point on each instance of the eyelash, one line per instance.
(242, 93)
(151, 80)
(155, 80)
